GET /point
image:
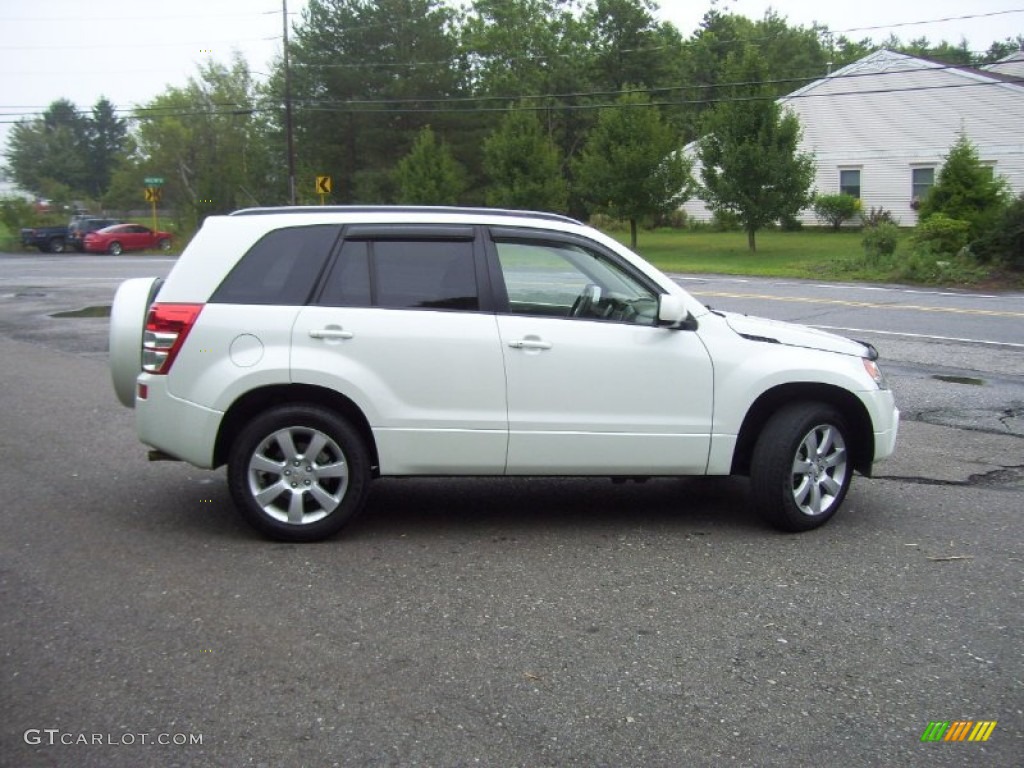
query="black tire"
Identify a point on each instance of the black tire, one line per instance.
(163, 244)
(795, 491)
(55, 245)
(114, 249)
(326, 490)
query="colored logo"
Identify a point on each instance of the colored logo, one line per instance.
(958, 730)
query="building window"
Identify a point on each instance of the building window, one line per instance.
(921, 182)
(849, 182)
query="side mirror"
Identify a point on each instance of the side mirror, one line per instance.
(672, 313)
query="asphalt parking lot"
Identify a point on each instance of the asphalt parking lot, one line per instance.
(557, 622)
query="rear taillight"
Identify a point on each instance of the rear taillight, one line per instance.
(167, 327)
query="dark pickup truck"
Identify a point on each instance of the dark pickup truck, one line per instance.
(46, 239)
(59, 239)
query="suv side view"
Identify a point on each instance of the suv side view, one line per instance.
(311, 350)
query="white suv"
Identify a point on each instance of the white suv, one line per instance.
(313, 349)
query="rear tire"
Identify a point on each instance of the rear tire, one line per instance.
(164, 244)
(55, 245)
(800, 470)
(298, 473)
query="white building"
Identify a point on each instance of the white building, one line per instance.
(880, 127)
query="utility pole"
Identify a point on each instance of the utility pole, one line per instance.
(288, 109)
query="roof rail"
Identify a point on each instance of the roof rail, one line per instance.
(403, 209)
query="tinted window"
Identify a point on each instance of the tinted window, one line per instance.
(403, 274)
(348, 285)
(281, 268)
(423, 274)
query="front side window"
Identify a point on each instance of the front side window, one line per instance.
(849, 182)
(922, 180)
(556, 279)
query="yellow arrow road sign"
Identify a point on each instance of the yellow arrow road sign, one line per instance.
(323, 185)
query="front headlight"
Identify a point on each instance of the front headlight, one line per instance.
(873, 371)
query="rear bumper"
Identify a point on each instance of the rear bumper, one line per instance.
(177, 427)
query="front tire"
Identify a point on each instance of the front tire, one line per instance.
(801, 467)
(299, 473)
(114, 249)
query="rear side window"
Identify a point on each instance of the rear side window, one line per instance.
(404, 274)
(281, 268)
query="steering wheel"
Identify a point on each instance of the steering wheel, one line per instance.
(591, 293)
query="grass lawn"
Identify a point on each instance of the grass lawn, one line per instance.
(812, 253)
(807, 253)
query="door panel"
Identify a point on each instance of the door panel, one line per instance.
(605, 398)
(594, 385)
(432, 384)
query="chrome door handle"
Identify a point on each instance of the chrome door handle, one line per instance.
(529, 344)
(330, 333)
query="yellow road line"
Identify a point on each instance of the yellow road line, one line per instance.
(871, 304)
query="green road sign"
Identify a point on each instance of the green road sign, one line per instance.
(154, 181)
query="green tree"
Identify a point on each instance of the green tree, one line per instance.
(793, 56)
(429, 175)
(749, 154)
(629, 45)
(524, 165)
(205, 141)
(965, 190)
(51, 151)
(106, 135)
(541, 51)
(631, 165)
(366, 78)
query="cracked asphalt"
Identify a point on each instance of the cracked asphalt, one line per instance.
(505, 622)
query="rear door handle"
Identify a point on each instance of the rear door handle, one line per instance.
(330, 333)
(529, 344)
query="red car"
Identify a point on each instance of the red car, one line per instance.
(126, 237)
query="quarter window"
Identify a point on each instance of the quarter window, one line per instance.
(281, 268)
(849, 182)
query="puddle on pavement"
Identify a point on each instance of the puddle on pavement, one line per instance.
(102, 310)
(960, 380)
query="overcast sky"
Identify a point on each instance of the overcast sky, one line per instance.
(129, 51)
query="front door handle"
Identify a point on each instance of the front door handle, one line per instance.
(529, 344)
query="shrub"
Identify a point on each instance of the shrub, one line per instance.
(941, 236)
(790, 224)
(673, 219)
(878, 216)
(725, 221)
(966, 190)
(836, 209)
(606, 223)
(880, 240)
(1004, 244)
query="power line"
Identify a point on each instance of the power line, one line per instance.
(465, 105)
